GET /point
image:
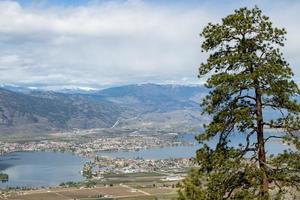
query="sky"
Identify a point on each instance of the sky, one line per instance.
(103, 43)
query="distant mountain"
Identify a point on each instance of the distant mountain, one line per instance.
(146, 106)
(41, 112)
(154, 97)
(158, 107)
(15, 88)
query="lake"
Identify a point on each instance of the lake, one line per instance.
(36, 169)
(187, 151)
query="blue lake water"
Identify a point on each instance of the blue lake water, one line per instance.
(36, 169)
(187, 151)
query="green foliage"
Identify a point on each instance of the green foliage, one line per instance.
(248, 76)
(69, 184)
(90, 183)
(3, 177)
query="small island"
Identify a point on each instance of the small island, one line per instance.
(3, 177)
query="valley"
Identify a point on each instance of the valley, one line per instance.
(48, 129)
(147, 108)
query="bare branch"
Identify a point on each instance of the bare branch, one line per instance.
(273, 136)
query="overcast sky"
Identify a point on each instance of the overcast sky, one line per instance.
(64, 43)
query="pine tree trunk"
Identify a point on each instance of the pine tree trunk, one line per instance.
(264, 191)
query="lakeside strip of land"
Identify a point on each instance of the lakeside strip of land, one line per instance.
(90, 147)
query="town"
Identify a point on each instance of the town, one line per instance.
(90, 147)
(105, 165)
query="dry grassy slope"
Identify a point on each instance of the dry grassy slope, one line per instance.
(132, 106)
(44, 112)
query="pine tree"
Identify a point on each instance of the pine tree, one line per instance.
(248, 78)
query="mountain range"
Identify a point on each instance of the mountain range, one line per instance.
(145, 106)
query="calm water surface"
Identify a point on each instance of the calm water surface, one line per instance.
(36, 169)
(186, 151)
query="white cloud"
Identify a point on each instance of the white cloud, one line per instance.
(109, 43)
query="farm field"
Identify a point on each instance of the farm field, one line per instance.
(115, 192)
(137, 186)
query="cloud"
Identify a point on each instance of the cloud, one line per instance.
(113, 42)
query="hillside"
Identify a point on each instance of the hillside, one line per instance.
(136, 107)
(153, 97)
(41, 112)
